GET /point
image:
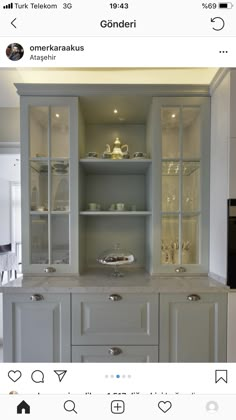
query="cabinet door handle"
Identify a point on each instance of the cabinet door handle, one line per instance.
(180, 269)
(36, 298)
(114, 351)
(115, 297)
(49, 270)
(193, 298)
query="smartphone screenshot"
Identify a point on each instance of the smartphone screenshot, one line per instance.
(117, 209)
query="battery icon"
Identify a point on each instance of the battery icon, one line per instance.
(228, 5)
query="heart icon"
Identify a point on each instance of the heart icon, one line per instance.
(14, 375)
(164, 406)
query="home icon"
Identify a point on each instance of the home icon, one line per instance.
(23, 408)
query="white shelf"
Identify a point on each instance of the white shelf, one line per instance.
(122, 166)
(115, 213)
(40, 213)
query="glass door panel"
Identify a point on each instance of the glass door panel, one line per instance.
(170, 123)
(191, 132)
(170, 186)
(191, 186)
(181, 185)
(39, 239)
(60, 239)
(38, 131)
(60, 186)
(49, 184)
(59, 132)
(170, 241)
(39, 186)
(190, 240)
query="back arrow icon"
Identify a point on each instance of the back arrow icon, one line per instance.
(223, 23)
(12, 22)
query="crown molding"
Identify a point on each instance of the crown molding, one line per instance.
(219, 76)
(76, 90)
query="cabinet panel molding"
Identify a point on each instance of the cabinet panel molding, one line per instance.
(193, 331)
(131, 320)
(100, 354)
(36, 331)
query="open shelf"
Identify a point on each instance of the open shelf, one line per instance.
(109, 166)
(115, 213)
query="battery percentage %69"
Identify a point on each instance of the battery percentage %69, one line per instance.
(209, 5)
(226, 5)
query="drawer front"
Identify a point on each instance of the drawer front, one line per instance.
(127, 319)
(105, 354)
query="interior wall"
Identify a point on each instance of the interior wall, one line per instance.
(10, 124)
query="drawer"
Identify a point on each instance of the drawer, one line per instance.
(114, 354)
(127, 319)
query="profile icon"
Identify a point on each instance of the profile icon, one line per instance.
(212, 407)
(14, 51)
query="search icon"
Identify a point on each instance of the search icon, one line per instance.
(69, 406)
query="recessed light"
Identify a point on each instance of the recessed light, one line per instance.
(115, 111)
(173, 116)
(57, 115)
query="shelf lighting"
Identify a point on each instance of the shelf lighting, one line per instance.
(115, 111)
(58, 115)
(173, 116)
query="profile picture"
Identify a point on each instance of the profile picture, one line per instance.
(14, 52)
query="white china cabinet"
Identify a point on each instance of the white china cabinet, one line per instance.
(70, 195)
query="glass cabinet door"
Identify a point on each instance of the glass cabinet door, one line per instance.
(50, 155)
(182, 206)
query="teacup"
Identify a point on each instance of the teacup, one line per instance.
(126, 155)
(94, 206)
(139, 155)
(120, 206)
(92, 155)
(60, 165)
(106, 155)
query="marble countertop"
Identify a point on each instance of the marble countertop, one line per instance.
(102, 282)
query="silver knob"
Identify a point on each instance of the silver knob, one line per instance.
(49, 270)
(35, 298)
(114, 351)
(193, 298)
(180, 269)
(115, 297)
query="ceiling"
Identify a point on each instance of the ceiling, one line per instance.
(9, 76)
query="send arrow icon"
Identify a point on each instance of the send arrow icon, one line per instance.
(60, 374)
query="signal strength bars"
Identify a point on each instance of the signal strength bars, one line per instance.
(8, 6)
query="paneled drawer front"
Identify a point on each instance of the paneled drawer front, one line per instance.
(102, 354)
(125, 319)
